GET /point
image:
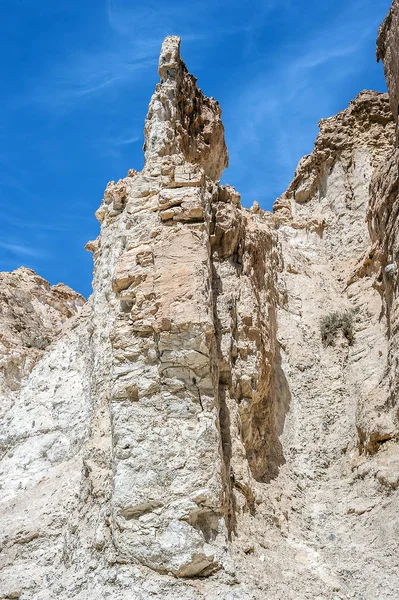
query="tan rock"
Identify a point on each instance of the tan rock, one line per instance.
(388, 52)
(31, 317)
(182, 124)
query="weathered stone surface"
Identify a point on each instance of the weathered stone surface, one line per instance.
(182, 124)
(187, 434)
(339, 412)
(31, 316)
(366, 123)
(388, 52)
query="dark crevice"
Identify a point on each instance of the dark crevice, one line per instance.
(371, 444)
(224, 413)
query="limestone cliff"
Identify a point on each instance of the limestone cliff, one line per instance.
(193, 431)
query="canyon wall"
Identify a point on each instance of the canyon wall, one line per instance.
(219, 419)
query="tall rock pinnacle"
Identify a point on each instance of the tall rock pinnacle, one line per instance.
(188, 347)
(182, 124)
(154, 272)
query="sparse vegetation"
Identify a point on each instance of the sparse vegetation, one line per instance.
(337, 321)
(39, 342)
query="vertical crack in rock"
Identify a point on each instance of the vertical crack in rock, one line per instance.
(224, 414)
(244, 258)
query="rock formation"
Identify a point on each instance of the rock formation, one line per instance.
(192, 431)
(31, 316)
(388, 52)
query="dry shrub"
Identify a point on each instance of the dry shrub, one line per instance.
(337, 321)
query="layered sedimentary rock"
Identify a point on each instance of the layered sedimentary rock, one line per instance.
(188, 433)
(383, 225)
(31, 317)
(330, 196)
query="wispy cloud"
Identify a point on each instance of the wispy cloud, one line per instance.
(21, 251)
(128, 46)
(125, 141)
(279, 108)
(86, 75)
(9, 181)
(24, 224)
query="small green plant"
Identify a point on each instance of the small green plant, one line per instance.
(40, 342)
(337, 321)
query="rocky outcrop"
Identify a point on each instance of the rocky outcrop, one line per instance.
(181, 344)
(366, 123)
(383, 226)
(163, 411)
(182, 124)
(388, 52)
(31, 317)
(189, 433)
(339, 427)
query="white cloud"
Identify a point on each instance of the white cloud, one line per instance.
(128, 46)
(275, 116)
(125, 141)
(21, 251)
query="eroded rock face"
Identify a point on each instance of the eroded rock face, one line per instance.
(388, 52)
(182, 124)
(31, 316)
(365, 124)
(383, 226)
(337, 431)
(176, 332)
(188, 434)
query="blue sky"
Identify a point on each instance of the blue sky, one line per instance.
(77, 78)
